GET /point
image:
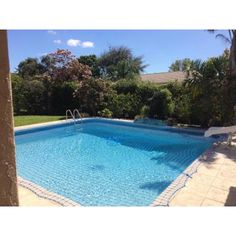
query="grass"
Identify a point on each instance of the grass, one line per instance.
(28, 120)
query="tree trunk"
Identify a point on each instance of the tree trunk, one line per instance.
(8, 178)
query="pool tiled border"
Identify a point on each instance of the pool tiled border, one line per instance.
(43, 193)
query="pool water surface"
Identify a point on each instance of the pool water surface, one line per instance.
(99, 163)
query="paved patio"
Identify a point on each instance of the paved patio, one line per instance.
(214, 184)
(28, 198)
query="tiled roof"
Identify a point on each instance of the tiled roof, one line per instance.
(164, 77)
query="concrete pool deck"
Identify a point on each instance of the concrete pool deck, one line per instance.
(214, 183)
(28, 198)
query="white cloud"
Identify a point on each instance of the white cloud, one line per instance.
(77, 42)
(73, 42)
(57, 41)
(87, 44)
(52, 32)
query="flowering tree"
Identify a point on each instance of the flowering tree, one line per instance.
(63, 66)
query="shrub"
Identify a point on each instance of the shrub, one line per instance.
(94, 95)
(126, 86)
(18, 97)
(161, 104)
(34, 97)
(61, 98)
(125, 105)
(144, 112)
(105, 113)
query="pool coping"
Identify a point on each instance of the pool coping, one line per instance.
(45, 194)
(162, 200)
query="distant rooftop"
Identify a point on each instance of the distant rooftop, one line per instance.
(165, 77)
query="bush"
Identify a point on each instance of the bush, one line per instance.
(94, 95)
(144, 112)
(125, 105)
(182, 100)
(105, 113)
(126, 86)
(34, 97)
(161, 104)
(62, 98)
(17, 92)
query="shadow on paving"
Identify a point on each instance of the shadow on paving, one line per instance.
(231, 198)
(228, 151)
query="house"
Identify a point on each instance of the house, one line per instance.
(164, 77)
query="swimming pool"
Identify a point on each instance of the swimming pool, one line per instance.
(106, 163)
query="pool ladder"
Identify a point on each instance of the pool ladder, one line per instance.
(74, 115)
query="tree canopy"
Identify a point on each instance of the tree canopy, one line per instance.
(120, 63)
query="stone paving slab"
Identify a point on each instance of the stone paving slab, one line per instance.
(28, 198)
(214, 184)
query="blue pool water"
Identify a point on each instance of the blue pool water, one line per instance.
(103, 163)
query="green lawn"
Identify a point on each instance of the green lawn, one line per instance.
(28, 120)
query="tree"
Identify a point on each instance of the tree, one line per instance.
(63, 66)
(29, 67)
(34, 97)
(161, 104)
(94, 95)
(231, 40)
(18, 96)
(182, 101)
(119, 63)
(92, 62)
(180, 65)
(8, 177)
(185, 64)
(212, 92)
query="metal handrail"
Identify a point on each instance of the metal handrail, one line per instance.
(76, 111)
(71, 114)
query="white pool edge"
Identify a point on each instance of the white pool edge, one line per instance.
(43, 193)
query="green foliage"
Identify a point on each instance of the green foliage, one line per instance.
(61, 98)
(34, 97)
(59, 81)
(94, 95)
(124, 105)
(145, 111)
(161, 104)
(185, 64)
(17, 89)
(126, 86)
(119, 63)
(29, 68)
(92, 62)
(105, 113)
(211, 89)
(181, 99)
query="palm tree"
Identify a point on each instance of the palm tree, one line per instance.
(8, 180)
(231, 40)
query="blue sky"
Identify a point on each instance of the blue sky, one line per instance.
(159, 48)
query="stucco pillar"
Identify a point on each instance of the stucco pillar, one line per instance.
(233, 54)
(8, 179)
